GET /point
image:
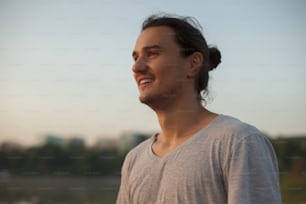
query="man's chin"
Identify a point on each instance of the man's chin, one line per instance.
(143, 99)
(146, 100)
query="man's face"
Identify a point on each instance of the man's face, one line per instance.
(159, 69)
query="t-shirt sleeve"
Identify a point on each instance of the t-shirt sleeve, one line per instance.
(252, 172)
(123, 194)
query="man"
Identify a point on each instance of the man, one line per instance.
(199, 156)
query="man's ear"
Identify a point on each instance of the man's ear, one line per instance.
(196, 62)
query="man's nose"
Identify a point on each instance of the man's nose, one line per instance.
(139, 66)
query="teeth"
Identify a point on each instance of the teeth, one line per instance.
(144, 81)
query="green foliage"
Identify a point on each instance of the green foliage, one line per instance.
(51, 159)
(291, 154)
(77, 159)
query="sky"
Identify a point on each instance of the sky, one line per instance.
(65, 65)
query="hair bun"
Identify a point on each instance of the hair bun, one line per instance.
(214, 58)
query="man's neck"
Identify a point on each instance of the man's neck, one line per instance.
(180, 123)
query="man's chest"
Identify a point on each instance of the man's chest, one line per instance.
(190, 172)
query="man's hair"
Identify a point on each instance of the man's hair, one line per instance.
(189, 37)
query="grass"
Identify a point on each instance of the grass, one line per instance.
(64, 190)
(103, 190)
(293, 188)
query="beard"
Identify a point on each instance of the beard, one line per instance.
(161, 100)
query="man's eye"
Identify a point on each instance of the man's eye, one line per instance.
(135, 58)
(152, 54)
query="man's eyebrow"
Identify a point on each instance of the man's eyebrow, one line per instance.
(148, 48)
(152, 47)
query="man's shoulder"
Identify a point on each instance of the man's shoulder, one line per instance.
(139, 150)
(232, 134)
(233, 128)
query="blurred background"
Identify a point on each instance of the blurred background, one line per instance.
(69, 108)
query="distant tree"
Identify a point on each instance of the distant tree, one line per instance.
(291, 153)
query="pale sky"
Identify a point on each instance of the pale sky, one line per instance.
(65, 65)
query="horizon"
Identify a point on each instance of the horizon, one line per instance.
(42, 139)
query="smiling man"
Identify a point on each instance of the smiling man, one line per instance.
(199, 156)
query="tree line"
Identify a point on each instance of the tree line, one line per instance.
(79, 160)
(68, 160)
(291, 154)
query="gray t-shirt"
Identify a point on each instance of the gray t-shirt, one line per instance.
(225, 162)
